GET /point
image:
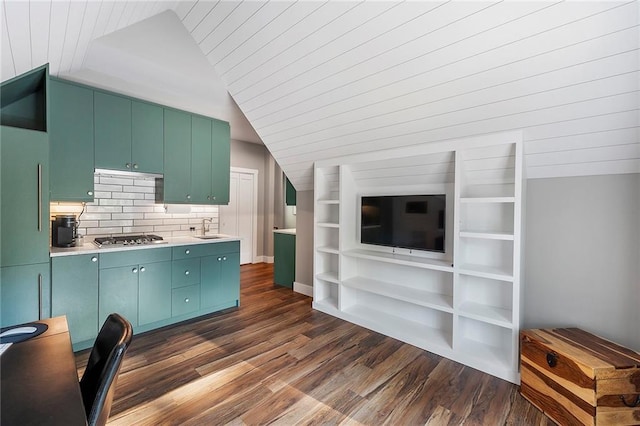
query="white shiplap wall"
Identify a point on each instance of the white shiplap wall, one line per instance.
(325, 80)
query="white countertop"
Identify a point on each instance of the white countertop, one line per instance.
(291, 231)
(89, 247)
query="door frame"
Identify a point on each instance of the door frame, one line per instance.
(254, 222)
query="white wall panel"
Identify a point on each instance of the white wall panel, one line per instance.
(16, 14)
(205, 17)
(39, 26)
(7, 66)
(75, 21)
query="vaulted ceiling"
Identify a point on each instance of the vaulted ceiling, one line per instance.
(318, 80)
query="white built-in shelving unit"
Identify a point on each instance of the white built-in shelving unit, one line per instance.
(463, 304)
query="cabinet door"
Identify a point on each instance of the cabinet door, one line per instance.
(24, 183)
(147, 141)
(290, 193)
(25, 294)
(154, 286)
(119, 293)
(221, 163)
(74, 293)
(177, 156)
(200, 160)
(284, 259)
(112, 134)
(219, 279)
(71, 142)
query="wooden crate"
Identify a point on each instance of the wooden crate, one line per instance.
(577, 378)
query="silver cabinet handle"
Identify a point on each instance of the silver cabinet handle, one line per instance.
(208, 197)
(128, 165)
(186, 272)
(94, 259)
(224, 257)
(39, 197)
(89, 192)
(187, 251)
(188, 197)
(186, 300)
(213, 197)
(142, 269)
(135, 165)
(134, 270)
(39, 296)
(219, 259)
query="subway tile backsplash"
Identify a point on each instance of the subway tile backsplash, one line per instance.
(126, 205)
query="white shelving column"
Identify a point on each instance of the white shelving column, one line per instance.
(326, 239)
(487, 258)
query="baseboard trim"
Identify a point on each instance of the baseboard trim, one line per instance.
(263, 259)
(305, 289)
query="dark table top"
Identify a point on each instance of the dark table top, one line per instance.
(39, 380)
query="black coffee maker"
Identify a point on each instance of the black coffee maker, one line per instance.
(64, 231)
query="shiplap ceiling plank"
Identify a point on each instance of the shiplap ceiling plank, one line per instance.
(320, 80)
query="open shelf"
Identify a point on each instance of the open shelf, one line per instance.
(438, 340)
(328, 276)
(328, 225)
(328, 249)
(488, 235)
(401, 259)
(328, 201)
(490, 314)
(428, 299)
(487, 345)
(326, 291)
(486, 271)
(491, 200)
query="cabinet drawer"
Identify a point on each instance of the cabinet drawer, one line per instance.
(134, 257)
(185, 272)
(201, 250)
(185, 300)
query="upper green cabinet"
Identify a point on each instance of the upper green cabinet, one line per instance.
(197, 159)
(290, 193)
(220, 162)
(128, 134)
(24, 189)
(177, 158)
(71, 142)
(147, 136)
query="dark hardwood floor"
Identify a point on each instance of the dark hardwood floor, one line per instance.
(275, 360)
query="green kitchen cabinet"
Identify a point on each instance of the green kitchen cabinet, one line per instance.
(147, 140)
(24, 294)
(112, 131)
(118, 292)
(290, 193)
(219, 279)
(220, 162)
(201, 160)
(284, 258)
(176, 185)
(71, 142)
(24, 192)
(154, 296)
(74, 293)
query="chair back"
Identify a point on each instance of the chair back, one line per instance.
(98, 381)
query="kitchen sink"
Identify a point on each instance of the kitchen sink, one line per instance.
(208, 237)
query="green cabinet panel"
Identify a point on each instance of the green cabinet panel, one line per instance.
(24, 193)
(24, 294)
(185, 300)
(290, 193)
(112, 132)
(185, 272)
(119, 293)
(221, 162)
(220, 279)
(154, 301)
(200, 160)
(284, 259)
(71, 142)
(134, 257)
(177, 157)
(74, 293)
(147, 137)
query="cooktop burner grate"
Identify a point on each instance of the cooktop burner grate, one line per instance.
(128, 240)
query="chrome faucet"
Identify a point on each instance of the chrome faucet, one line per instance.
(205, 226)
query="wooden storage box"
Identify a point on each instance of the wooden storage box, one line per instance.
(577, 378)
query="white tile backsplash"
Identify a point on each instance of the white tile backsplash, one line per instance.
(126, 205)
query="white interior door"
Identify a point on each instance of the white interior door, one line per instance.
(239, 217)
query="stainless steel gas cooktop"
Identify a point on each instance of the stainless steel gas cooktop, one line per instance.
(128, 240)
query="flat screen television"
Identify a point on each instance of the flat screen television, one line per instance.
(414, 222)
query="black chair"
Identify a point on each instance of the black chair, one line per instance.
(98, 381)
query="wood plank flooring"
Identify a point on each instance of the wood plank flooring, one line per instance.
(276, 361)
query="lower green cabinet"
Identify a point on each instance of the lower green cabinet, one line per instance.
(219, 279)
(24, 294)
(119, 293)
(284, 258)
(154, 293)
(74, 293)
(185, 300)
